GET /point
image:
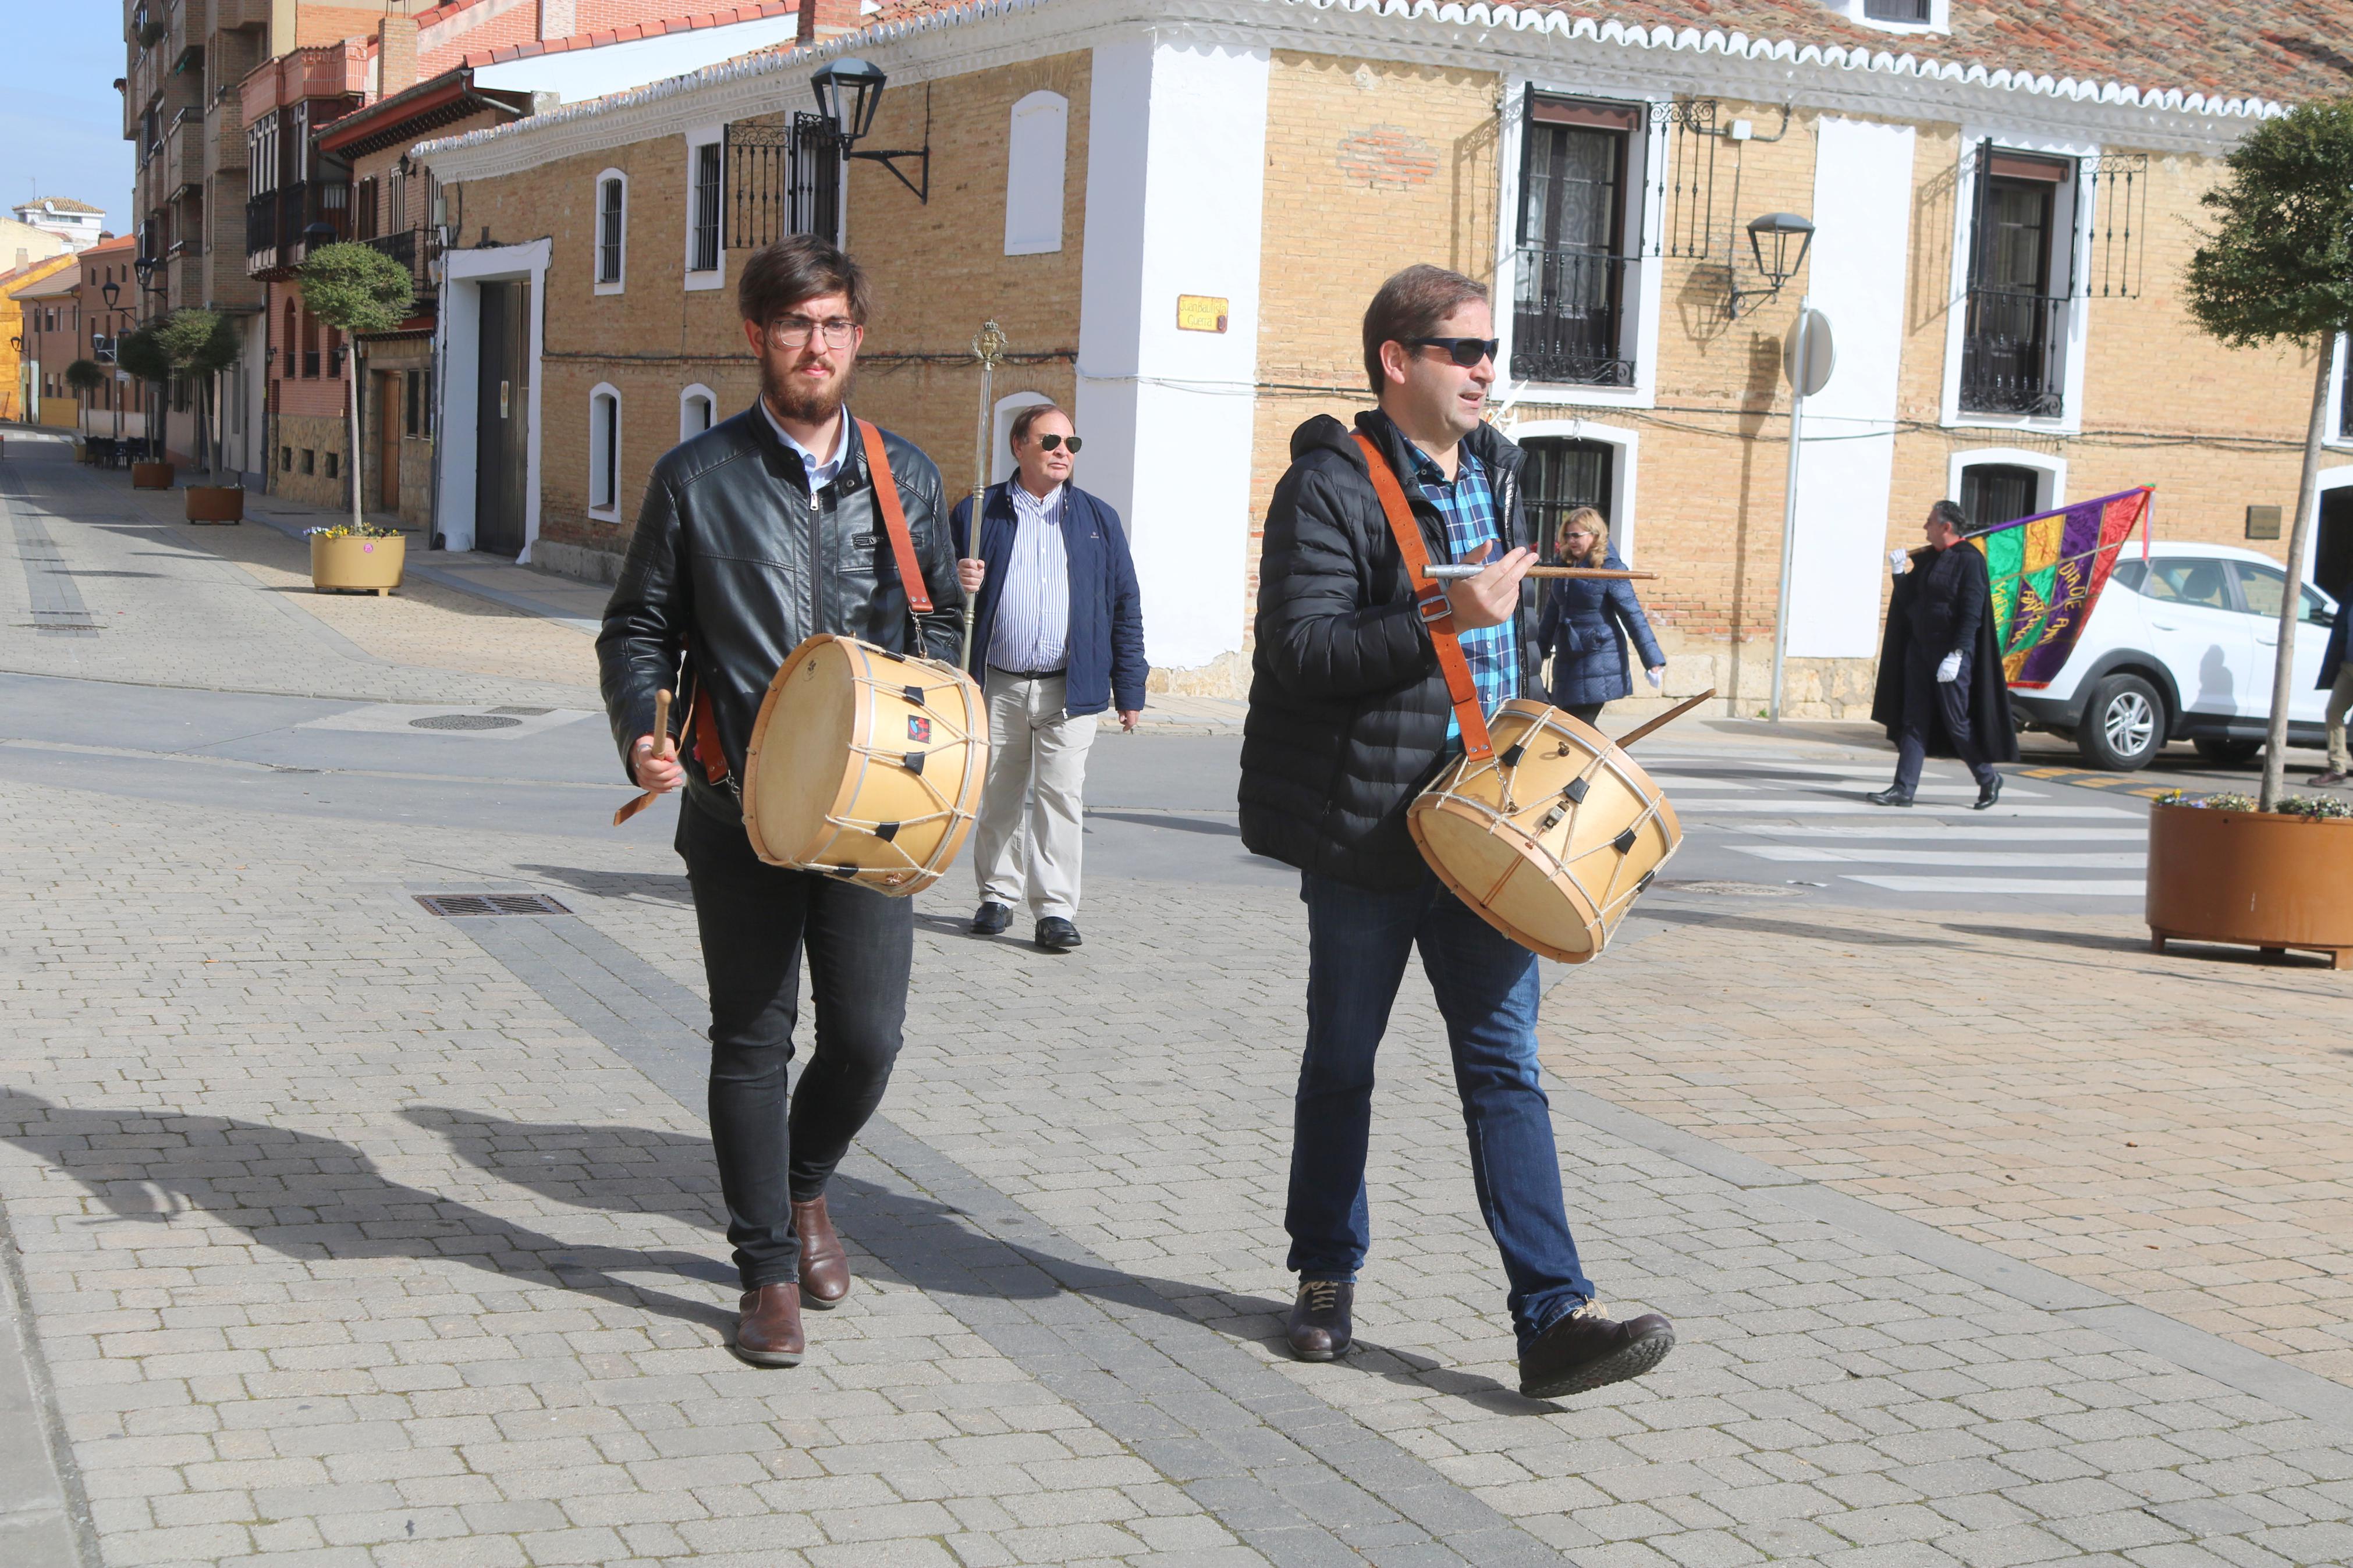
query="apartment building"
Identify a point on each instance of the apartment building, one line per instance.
(21, 339)
(330, 126)
(78, 224)
(1178, 208)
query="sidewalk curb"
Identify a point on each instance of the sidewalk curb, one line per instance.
(44, 1518)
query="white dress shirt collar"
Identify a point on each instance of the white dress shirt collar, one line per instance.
(821, 473)
(1025, 503)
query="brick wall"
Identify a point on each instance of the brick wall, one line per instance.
(938, 270)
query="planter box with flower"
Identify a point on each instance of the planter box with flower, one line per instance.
(364, 560)
(2220, 870)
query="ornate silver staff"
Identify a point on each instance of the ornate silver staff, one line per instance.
(988, 347)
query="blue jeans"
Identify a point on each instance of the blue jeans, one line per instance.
(1358, 942)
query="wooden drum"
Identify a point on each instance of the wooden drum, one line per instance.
(865, 765)
(1552, 838)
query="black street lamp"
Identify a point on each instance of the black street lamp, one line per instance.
(112, 292)
(848, 92)
(1782, 230)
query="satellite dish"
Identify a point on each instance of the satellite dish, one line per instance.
(1822, 354)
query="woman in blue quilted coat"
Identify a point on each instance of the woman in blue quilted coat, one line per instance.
(1587, 621)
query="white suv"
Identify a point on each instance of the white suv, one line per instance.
(2182, 648)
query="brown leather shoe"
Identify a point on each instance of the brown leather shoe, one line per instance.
(769, 1332)
(825, 1267)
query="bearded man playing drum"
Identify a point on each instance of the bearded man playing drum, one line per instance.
(763, 531)
(1350, 716)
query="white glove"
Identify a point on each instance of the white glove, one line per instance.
(1652, 675)
(1950, 670)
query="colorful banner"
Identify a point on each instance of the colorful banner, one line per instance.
(2048, 571)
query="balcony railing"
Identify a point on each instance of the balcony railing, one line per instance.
(417, 249)
(2013, 354)
(1568, 318)
(277, 223)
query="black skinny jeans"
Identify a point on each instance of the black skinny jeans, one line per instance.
(755, 920)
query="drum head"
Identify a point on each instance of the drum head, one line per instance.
(799, 752)
(1487, 870)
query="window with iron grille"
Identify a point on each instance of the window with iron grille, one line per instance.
(706, 250)
(816, 177)
(603, 449)
(1562, 475)
(1996, 493)
(2014, 331)
(1573, 269)
(1899, 11)
(612, 213)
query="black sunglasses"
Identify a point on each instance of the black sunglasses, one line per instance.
(1047, 443)
(1465, 352)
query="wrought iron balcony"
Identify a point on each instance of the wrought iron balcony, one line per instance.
(1568, 318)
(417, 249)
(2014, 353)
(277, 225)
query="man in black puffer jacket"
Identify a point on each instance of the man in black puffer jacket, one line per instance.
(1350, 717)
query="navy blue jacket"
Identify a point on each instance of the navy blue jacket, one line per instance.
(1104, 648)
(1580, 628)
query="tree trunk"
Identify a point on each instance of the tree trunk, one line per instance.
(2292, 600)
(351, 377)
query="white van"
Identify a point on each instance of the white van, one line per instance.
(2182, 648)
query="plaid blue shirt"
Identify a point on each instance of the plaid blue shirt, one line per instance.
(1468, 504)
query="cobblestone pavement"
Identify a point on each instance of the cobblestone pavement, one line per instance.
(351, 1235)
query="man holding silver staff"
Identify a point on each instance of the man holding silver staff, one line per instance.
(1362, 688)
(1058, 637)
(790, 520)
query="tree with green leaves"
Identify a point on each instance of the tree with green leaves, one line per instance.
(199, 344)
(139, 355)
(356, 288)
(2279, 268)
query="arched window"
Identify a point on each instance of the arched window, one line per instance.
(2001, 484)
(612, 230)
(1000, 456)
(605, 452)
(698, 410)
(1578, 462)
(1035, 152)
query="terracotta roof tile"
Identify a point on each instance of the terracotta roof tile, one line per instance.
(633, 32)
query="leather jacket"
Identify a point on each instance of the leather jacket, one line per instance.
(735, 564)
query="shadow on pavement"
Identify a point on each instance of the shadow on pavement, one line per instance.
(311, 1198)
(922, 1240)
(1783, 928)
(666, 889)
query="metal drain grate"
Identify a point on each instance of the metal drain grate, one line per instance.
(457, 905)
(465, 721)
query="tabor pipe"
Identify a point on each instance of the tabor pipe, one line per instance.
(1610, 573)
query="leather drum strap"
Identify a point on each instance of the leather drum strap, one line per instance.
(895, 520)
(1429, 599)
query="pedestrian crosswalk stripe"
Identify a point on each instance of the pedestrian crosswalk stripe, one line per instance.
(2043, 886)
(1955, 832)
(1708, 787)
(2023, 859)
(1752, 805)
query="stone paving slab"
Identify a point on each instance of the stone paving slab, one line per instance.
(345, 1237)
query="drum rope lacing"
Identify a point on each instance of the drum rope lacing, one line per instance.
(1507, 765)
(912, 761)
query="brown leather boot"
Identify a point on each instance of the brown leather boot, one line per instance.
(825, 1267)
(769, 1332)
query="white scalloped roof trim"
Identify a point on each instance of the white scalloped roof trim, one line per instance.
(1610, 31)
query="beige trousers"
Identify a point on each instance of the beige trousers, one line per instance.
(2340, 701)
(1033, 819)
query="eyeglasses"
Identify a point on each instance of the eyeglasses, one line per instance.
(1047, 443)
(795, 332)
(1465, 352)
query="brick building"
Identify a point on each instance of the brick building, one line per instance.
(70, 314)
(330, 129)
(1177, 212)
(20, 364)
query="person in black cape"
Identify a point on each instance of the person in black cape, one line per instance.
(1941, 688)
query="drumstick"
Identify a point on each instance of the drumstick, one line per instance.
(1612, 574)
(1669, 717)
(663, 750)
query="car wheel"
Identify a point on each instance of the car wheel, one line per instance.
(2123, 724)
(2228, 753)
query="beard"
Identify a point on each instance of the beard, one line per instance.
(799, 398)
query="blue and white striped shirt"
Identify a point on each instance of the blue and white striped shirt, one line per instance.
(1467, 503)
(1033, 601)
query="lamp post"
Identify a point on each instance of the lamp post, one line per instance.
(849, 91)
(1782, 232)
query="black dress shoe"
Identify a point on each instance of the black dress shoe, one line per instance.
(1988, 792)
(1056, 934)
(1891, 796)
(1589, 1349)
(1319, 1329)
(992, 919)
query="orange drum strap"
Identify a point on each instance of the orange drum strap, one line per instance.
(894, 521)
(1429, 599)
